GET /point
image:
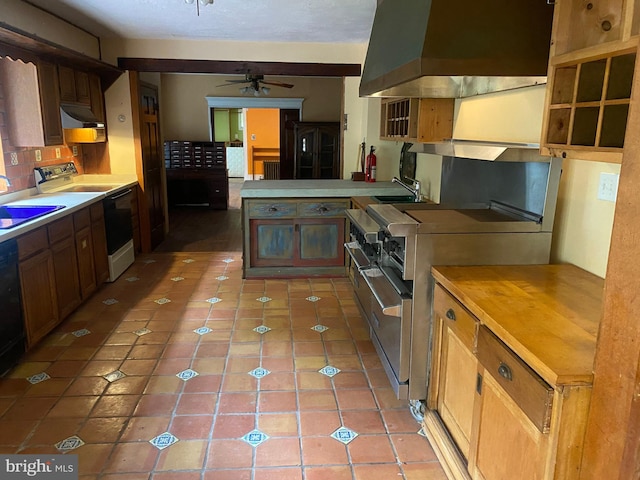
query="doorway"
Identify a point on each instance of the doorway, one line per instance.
(290, 111)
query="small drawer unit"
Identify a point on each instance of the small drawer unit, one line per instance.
(274, 209)
(532, 394)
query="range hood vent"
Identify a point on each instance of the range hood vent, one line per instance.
(80, 125)
(445, 48)
(480, 150)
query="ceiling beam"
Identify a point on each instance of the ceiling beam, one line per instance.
(229, 67)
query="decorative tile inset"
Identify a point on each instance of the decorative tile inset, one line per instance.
(110, 301)
(81, 333)
(329, 371)
(214, 300)
(162, 301)
(188, 260)
(70, 443)
(39, 377)
(163, 440)
(422, 433)
(259, 372)
(313, 298)
(344, 435)
(177, 279)
(264, 299)
(319, 328)
(261, 329)
(222, 277)
(132, 279)
(142, 331)
(113, 376)
(202, 330)
(255, 438)
(187, 374)
(228, 260)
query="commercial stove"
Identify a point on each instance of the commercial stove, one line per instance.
(393, 247)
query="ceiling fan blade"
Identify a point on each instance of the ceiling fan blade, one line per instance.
(278, 84)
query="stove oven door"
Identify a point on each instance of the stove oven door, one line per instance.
(390, 322)
(359, 261)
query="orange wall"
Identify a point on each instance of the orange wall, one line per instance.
(264, 124)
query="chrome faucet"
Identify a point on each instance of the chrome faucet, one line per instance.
(415, 190)
(6, 179)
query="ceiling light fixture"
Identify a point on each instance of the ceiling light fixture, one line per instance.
(255, 90)
(204, 3)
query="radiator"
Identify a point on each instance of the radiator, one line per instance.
(271, 170)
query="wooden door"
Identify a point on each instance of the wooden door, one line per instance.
(150, 163)
(288, 119)
(39, 298)
(65, 266)
(50, 103)
(319, 242)
(86, 265)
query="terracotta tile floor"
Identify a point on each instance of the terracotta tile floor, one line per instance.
(223, 373)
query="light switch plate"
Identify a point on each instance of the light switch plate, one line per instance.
(38, 155)
(74, 150)
(58, 154)
(608, 187)
(14, 158)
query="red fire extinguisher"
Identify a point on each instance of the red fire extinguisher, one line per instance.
(370, 171)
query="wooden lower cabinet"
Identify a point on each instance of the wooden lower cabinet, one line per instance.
(497, 411)
(39, 298)
(99, 239)
(294, 238)
(57, 266)
(455, 330)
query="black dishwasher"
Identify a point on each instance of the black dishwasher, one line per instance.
(12, 337)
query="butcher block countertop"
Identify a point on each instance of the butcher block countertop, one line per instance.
(547, 314)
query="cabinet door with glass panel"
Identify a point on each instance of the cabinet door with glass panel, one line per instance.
(317, 150)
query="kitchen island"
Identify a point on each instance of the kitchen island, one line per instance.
(297, 228)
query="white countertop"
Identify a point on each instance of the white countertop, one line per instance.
(72, 201)
(317, 188)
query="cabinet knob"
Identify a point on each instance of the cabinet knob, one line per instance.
(323, 209)
(505, 371)
(451, 315)
(272, 209)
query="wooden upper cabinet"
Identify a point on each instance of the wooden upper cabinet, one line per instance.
(50, 103)
(592, 66)
(416, 119)
(74, 86)
(96, 96)
(580, 25)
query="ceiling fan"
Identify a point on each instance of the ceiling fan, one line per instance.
(255, 85)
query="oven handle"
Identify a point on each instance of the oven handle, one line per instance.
(119, 194)
(357, 255)
(388, 299)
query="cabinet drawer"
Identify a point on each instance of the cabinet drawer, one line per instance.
(81, 219)
(32, 242)
(456, 318)
(530, 392)
(271, 209)
(321, 209)
(60, 229)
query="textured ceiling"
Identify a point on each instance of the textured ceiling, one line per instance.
(326, 21)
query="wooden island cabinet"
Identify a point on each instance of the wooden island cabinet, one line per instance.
(298, 228)
(512, 370)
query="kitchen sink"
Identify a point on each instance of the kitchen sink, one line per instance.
(395, 198)
(13, 215)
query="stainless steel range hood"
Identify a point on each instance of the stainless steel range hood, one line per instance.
(456, 48)
(482, 150)
(80, 125)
